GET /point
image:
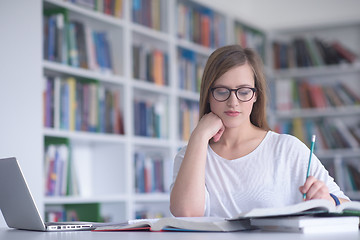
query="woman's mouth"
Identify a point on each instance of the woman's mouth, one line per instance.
(232, 113)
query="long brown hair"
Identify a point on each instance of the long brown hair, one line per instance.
(221, 61)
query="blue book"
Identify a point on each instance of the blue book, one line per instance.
(51, 38)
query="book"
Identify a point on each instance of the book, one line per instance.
(311, 207)
(308, 224)
(198, 224)
(344, 52)
(57, 163)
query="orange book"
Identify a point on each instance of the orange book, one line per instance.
(158, 67)
(205, 30)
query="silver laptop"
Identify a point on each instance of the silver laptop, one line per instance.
(18, 206)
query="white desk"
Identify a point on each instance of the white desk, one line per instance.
(12, 234)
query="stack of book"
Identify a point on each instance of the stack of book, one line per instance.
(312, 216)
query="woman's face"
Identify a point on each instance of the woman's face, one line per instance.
(234, 112)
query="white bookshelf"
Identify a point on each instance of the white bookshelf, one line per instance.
(109, 158)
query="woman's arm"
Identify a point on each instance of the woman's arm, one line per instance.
(187, 198)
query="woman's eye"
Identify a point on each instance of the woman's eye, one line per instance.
(244, 92)
(222, 92)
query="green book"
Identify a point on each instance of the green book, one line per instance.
(87, 212)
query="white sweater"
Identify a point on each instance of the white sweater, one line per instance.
(269, 176)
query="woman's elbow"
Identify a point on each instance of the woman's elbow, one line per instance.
(185, 211)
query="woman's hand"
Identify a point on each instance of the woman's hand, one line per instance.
(210, 126)
(315, 189)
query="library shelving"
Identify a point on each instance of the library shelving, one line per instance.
(315, 86)
(111, 80)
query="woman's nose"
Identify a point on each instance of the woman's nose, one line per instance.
(233, 100)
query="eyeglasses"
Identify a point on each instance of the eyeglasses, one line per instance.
(222, 94)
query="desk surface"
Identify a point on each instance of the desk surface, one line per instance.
(12, 234)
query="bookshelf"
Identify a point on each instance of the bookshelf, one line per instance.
(120, 153)
(319, 94)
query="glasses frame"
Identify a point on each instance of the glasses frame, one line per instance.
(233, 90)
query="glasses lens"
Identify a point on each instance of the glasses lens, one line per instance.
(221, 94)
(244, 94)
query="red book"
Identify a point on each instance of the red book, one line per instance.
(205, 30)
(344, 52)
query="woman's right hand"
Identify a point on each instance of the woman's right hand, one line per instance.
(210, 126)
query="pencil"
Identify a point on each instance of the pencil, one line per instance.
(311, 152)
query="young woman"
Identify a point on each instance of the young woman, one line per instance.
(233, 161)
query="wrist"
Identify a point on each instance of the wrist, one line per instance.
(200, 136)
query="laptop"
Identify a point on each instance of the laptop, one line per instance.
(18, 206)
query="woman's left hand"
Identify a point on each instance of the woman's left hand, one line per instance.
(315, 189)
